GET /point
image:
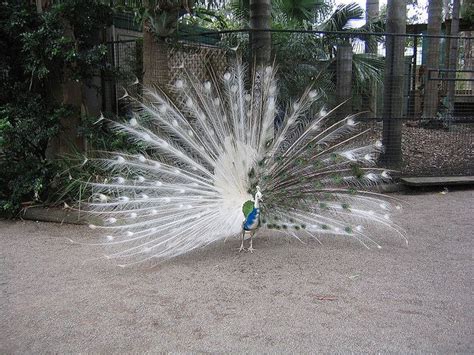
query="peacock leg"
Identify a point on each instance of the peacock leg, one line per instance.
(242, 244)
(251, 249)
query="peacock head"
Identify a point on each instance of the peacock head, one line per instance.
(258, 197)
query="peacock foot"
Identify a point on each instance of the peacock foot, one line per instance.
(250, 249)
(241, 248)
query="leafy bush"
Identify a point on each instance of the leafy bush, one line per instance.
(26, 127)
(38, 53)
(66, 37)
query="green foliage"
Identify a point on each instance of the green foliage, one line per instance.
(39, 52)
(100, 136)
(160, 17)
(467, 12)
(340, 18)
(302, 62)
(286, 14)
(305, 59)
(66, 38)
(57, 45)
(301, 10)
(76, 169)
(357, 171)
(26, 126)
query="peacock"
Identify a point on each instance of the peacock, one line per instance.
(252, 219)
(225, 157)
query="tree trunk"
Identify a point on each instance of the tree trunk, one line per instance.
(469, 60)
(261, 40)
(446, 9)
(370, 101)
(453, 55)
(393, 85)
(431, 94)
(344, 80)
(155, 61)
(39, 6)
(371, 14)
(155, 55)
(66, 92)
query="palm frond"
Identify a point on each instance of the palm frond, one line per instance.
(339, 20)
(367, 68)
(300, 10)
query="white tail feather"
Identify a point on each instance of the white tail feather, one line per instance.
(207, 149)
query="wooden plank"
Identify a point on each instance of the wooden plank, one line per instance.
(437, 180)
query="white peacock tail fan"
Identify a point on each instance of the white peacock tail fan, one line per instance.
(205, 151)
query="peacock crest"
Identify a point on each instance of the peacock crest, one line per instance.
(206, 146)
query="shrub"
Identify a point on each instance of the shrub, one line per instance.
(26, 127)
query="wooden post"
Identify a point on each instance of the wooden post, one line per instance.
(344, 79)
(393, 85)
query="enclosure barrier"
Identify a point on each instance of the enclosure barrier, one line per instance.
(348, 69)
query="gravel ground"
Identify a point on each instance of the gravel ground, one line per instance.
(432, 152)
(438, 152)
(286, 297)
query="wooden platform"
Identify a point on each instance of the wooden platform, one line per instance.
(437, 180)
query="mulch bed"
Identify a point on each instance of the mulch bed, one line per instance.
(438, 151)
(433, 151)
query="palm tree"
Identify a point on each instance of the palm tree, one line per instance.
(366, 67)
(453, 53)
(371, 15)
(393, 84)
(288, 14)
(300, 12)
(261, 40)
(467, 14)
(310, 59)
(430, 96)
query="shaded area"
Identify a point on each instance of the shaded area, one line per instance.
(438, 152)
(285, 297)
(428, 151)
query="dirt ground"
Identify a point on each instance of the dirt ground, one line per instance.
(286, 297)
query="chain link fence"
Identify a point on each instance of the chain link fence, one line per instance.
(431, 113)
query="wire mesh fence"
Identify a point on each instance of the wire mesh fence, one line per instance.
(421, 98)
(124, 70)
